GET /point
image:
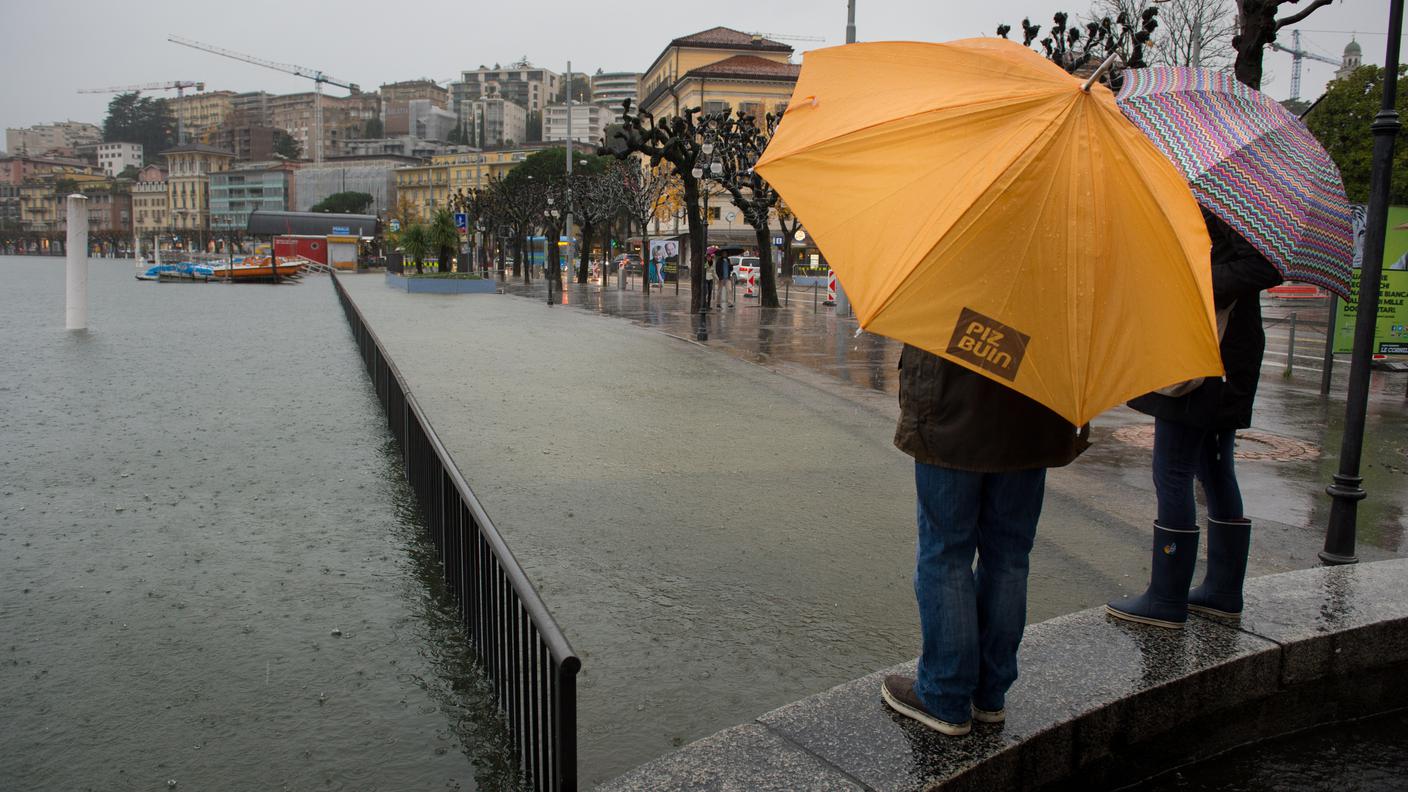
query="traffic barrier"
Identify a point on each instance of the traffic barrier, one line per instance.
(830, 287)
(750, 280)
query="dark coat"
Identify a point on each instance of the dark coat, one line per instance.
(955, 418)
(1239, 273)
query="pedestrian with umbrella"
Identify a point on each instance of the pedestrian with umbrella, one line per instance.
(1062, 269)
(1275, 208)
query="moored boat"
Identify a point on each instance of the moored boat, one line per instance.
(257, 268)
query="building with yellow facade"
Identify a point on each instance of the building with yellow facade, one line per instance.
(424, 188)
(188, 186)
(202, 114)
(716, 70)
(150, 213)
(719, 69)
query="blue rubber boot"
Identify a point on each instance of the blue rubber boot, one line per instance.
(1165, 602)
(1221, 592)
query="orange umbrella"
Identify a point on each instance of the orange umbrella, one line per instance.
(977, 202)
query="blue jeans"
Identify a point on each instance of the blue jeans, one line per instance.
(1182, 453)
(972, 619)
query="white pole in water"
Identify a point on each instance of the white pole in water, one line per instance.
(76, 246)
(137, 249)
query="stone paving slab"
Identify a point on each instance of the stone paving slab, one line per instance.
(1339, 620)
(1107, 702)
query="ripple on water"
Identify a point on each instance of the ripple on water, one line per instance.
(194, 495)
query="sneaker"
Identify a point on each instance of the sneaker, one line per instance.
(989, 716)
(898, 693)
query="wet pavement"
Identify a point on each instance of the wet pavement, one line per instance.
(721, 534)
(211, 573)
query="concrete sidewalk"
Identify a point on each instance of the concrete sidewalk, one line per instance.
(722, 534)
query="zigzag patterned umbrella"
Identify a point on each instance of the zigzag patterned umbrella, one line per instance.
(1252, 163)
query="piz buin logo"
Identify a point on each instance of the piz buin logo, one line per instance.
(988, 344)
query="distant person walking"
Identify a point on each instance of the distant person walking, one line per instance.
(710, 279)
(723, 270)
(1194, 436)
(980, 451)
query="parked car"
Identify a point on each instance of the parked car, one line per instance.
(628, 260)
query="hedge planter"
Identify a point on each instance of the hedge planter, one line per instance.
(441, 285)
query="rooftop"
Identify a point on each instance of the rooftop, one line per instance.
(728, 38)
(748, 66)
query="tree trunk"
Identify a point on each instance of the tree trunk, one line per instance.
(696, 242)
(769, 270)
(552, 256)
(644, 257)
(786, 253)
(584, 253)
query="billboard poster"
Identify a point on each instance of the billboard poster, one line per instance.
(1390, 335)
(664, 248)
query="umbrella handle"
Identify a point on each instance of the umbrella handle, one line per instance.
(1099, 72)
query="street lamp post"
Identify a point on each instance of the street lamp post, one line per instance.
(1347, 489)
(843, 302)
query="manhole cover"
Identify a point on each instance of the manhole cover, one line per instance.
(1251, 443)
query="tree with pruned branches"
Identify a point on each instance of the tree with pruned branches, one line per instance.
(737, 144)
(520, 205)
(641, 192)
(1078, 47)
(1256, 29)
(673, 140)
(1190, 32)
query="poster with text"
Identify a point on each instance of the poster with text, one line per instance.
(1390, 335)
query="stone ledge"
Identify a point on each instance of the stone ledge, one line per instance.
(1098, 699)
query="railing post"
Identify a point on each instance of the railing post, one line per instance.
(1291, 349)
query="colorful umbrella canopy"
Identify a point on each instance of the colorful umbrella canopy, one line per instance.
(977, 203)
(1252, 163)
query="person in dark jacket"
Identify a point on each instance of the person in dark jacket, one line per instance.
(980, 451)
(1193, 438)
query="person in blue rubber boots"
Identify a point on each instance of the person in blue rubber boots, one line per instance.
(980, 451)
(1194, 436)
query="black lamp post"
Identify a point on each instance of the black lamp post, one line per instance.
(1347, 489)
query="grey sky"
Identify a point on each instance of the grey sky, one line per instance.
(54, 48)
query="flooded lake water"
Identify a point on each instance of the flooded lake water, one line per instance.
(210, 570)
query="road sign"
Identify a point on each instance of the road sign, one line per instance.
(340, 231)
(777, 240)
(462, 222)
(395, 225)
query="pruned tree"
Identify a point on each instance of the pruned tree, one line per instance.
(595, 200)
(520, 204)
(643, 193)
(1190, 32)
(673, 140)
(737, 144)
(1256, 29)
(1078, 47)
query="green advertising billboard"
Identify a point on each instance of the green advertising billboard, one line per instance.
(1391, 331)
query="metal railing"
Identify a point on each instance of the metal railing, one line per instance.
(525, 655)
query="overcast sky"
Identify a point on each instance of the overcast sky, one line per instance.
(54, 48)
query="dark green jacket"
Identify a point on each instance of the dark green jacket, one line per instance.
(954, 418)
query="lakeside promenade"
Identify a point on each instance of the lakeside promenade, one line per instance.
(719, 538)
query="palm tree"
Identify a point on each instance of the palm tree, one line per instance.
(443, 236)
(415, 242)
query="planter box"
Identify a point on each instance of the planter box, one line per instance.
(442, 285)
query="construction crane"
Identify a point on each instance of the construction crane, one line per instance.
(179, 85)
(781, 37)
(1296, 54)
(318, 78)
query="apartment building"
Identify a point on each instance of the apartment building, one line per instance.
(201, 114)
(35, 141)
(588, 123)
(610, 89)
(396, 98)
(188, 184)
(150, 202)
(256, 186)
(114, 158)
(494, 121)
(344, 118)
